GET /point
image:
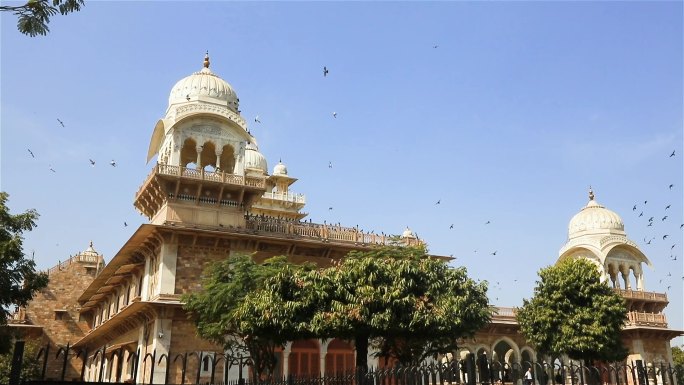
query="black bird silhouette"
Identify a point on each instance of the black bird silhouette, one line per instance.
(681, 226)
(641, 214)
(187, 97)
(673, 153)
(329, 164)
(667, 207)
(494, 253)
(650, 219)
(125, 224)
(92, 162)
(645, 202)
(330, 208)
(435, 46)
(649, 224)
(673, 246)
(649, 242)
(634, 208)
(665, 236)
(438, 202)
(325, 71)
(664, 218)
(671, 186)
(60, 122)
(52, 169)
(256, 119)
(674, 257)
(488, 222)
(31, 152)
(452, 226)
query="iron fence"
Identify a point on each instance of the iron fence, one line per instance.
(188, 368)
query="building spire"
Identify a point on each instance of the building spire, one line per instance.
(591, 194)
(206, 60)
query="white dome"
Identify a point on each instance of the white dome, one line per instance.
(90, 251)
(204, 86)
(254, 159)
(595, 219)
(408, 234)
(280, 169)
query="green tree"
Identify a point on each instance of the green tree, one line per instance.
(18, 277)
(573, 312)
(30, 367)
(219, 308)
(411, 304)
(33, 17)
(678, 359)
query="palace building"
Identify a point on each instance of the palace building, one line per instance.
(210, 196)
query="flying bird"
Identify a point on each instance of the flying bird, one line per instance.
(325, 71)
(494, 253)
(645, 202)
(113, 163)
(125, 224)
(60, 122)
(641, 214)
(330, 208)
(665, 236)
(649, 241)
(435, 46)
(31, 152)
(673, 154)
(667, 207)
(92, 162)
(488, 222)
(256, 119)
(438, 202)
(681, 226)
(334, 114)
(329, 164)
(671, 186)
(673, 246)
(452, 226)
(634, 208)
(52, 169)
(664, 218)
(649, 224)
(650, 219)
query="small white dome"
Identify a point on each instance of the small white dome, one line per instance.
(204, 86)
(595, 219)
(408, 234)
(254, 159)
(280, 169)
(90, 251)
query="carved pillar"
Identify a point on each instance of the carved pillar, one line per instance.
(625, 276)
(218, 159)
(199, 156)
(286, 359)
(639, 274)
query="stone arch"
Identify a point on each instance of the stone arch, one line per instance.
(188, 154)
(227, 158)
(208, 156)
(340, 356)
(527, 357)
(304, 358)
(506, 357)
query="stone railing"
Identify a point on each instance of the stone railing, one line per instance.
(75, 258)
(646, 319)
(323, 232)
(214, 176)
(287, 197)
(635, 294)
(504, 313)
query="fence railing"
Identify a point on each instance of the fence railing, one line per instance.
(109, 364)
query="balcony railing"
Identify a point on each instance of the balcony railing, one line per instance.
(322, 231)
(287, 197)
(635, 294)
(201, 174)
(646, 319)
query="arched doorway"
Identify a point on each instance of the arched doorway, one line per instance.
(340, 357)
(304, 358)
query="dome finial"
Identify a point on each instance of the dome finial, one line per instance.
(91, 243)
(206, 60)
(591, 194)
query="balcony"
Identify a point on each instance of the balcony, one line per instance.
(645, 295)
(646, 319)
(285, 197)
(202, 175)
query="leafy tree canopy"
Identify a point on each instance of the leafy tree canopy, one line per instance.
(573, 312)
(678, 359)
(34, 15)
(18, 277)
(219, 311)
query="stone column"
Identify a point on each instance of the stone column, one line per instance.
(639, 273)
(218, 159)
(323, 352)
(161, 343)
(168, 254)
(199, 156)
(625, 276)
(286, 359)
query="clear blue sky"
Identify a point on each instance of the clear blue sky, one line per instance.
(517, 111)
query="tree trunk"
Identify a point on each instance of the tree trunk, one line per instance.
(361, 344)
